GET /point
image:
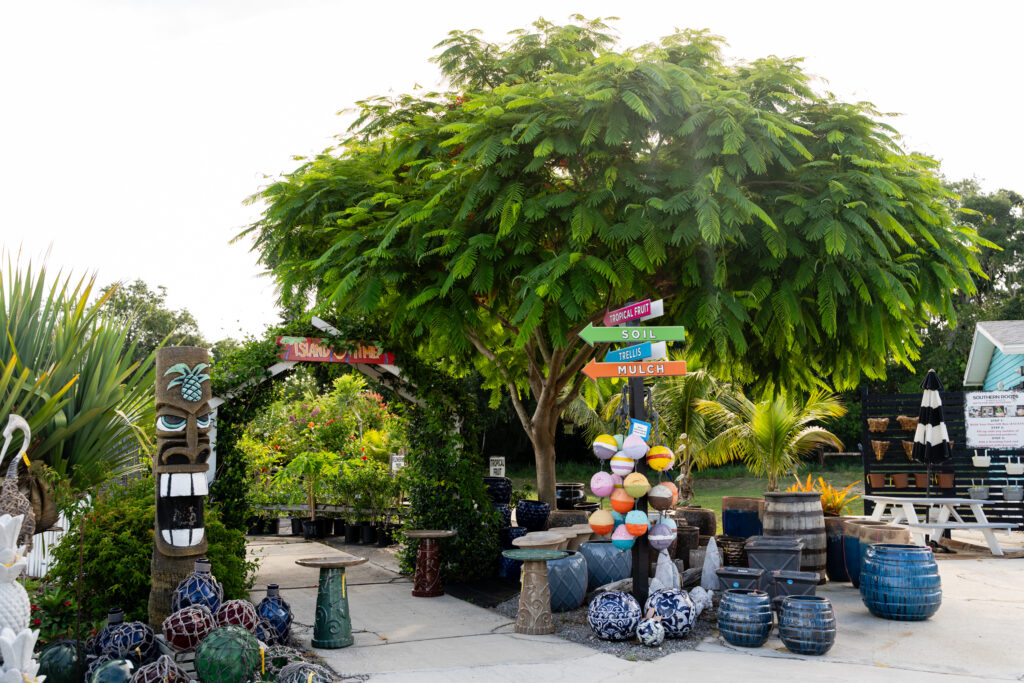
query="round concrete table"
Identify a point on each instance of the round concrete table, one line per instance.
(333, 627)
(426, 583)
(534, 617)
(541, 540)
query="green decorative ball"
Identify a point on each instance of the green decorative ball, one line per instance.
(228, 655)
(63, 662)
(114, 671)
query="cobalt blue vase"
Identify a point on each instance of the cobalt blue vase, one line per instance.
(499, 489)
(900, 582)
(506, 515)
(807, 624)
(509, 534)
(745, 617)
(532, 514)
(276, 612)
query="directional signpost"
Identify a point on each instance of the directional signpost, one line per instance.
(660, 368)
(592, 335)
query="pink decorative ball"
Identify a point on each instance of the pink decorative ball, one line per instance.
(602, 484)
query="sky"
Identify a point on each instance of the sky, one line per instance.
(132, 131)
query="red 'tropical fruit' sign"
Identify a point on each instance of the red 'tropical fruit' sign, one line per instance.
(312, 349)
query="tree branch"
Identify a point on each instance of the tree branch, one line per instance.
(574, 366)
(533, 373)
(512, 390)
(574, 391)
(544, 351)
(502, 319)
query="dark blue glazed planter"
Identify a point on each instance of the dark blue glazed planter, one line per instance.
(567, 579)
(851, 558)
(276, 612)
(605, 563)
(499, 489)
(676, 610)
(741, 523)
(835, 554)
(532, 514)
(807, 624)
(614, 616)
(900, 582)
(509, 534)
(745, 617)
(509, 569)
(506, 515)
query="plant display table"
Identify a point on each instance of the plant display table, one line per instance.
(905, 514)
(534, 617)
(333, 627)
(541, 540)
(427, 580)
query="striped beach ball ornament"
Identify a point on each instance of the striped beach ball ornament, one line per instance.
(636, 522)
(605, 446)
(660, 458)
(602, 484)
(621, 464)
(660, 497)
(601, 522)
(622, 539)
(660, 536)
(636, 485)
(671, 486)
(634, 447)
(622, 501)
(617, 481)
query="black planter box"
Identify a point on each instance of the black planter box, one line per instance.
(352, 533)
(339, 526)
(772, 553)
(741, 577)
(297, 525)
(781, 584)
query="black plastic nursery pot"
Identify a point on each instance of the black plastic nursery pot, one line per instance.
(368, 533)
(339, 526)
(352, 533)
(385, 537)
(297, 525)
(316, 528)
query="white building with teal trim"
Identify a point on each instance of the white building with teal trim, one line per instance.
(996, 361)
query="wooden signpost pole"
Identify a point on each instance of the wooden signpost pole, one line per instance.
(641, 559)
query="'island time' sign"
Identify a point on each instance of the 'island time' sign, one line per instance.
(312, 349)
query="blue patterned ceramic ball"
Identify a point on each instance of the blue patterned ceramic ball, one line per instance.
(614, 615)
(676, 610)
(650, 632)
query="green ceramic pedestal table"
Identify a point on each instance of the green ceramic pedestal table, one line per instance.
(333, 627)
(534, 617)
(426, 582)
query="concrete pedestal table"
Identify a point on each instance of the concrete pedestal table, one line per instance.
(426, 582)
(534, 617)
(333, 627)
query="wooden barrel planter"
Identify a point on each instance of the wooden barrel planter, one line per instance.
(702, 518)
(900, 582)
(741, 516)
(798, 513)
(807, 624)
(745, 617)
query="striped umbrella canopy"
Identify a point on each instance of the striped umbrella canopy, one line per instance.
(931, 441)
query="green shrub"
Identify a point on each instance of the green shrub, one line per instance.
(118, 549)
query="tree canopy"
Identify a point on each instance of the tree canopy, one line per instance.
(560, 176)
(148, 322)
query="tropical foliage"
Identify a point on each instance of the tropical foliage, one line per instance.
(149, 323)
(559, 176)
(833, 500)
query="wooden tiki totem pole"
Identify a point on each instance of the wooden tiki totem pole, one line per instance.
(183, 421)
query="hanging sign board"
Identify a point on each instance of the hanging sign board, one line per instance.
(994, 419)
(663, 368)
(592, 335)
(312, 349)
(640, 428)
(643, 310)
(397, 462)
(497, 467)
(643, 351)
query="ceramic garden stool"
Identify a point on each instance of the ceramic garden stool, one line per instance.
(534, 616)
(426, 582)
(333, 627)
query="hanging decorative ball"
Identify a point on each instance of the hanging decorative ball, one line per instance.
(198, 588)
(163, 670)
(276, 612)
(634, 447)
(660, 536)
(636, 523)
(618, 517)
(602, 484)
(107, 669)
(636, 485)
(601, 522)
(621, 465)
(622, 501)
(671, 486)
(187, 627)
(605, 446)
(115, 618)
(59, 661)
(617, 481)
(660, 497)
(660, 458)
(614, 615)
(676, 610)
(619, 440)
(304, 672)
(650, 631)
(276, 657)
(133, 640)
(238, 613)
(228, 655)
(622, 539)
(669, 523)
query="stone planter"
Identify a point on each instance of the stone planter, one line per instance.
(702, 518)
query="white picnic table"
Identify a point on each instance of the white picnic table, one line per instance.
(904, 513)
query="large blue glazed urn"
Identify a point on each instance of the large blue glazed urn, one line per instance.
(900, 582)
(807, 624)
(605, 563)
(499, 489)
(506, 515)
(532, 514)
(276, 612)
(676, 609)
(567, 579)
(745, 617)
(509, 534)
(614, 616)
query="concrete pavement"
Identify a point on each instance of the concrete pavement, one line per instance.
(974, 636)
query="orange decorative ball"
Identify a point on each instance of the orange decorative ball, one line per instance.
(622, 501)
(601, 522)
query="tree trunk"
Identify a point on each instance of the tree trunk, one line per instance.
(544, 423)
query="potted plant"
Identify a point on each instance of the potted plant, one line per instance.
(307, 469)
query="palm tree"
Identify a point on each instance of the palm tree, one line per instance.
(772, 434)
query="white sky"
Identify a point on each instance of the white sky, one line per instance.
(131, 131)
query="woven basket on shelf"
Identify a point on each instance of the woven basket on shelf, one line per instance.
(878, 424)
(879, 447)
(908, 448)
(907, 423)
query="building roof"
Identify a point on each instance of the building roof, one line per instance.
(1005, 335)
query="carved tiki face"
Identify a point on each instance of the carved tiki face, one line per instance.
(183, 421)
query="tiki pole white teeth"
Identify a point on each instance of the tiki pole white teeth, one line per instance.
(183, 484)
(197, 535)
(199, 486)
(167, 536)
(180, 537)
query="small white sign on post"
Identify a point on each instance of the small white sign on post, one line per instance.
(397, 462)
(497, 467)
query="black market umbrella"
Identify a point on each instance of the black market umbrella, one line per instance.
(931, 440)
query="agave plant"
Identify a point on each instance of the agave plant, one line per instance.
(68, 370)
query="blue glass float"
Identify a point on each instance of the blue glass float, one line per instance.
(807, 624)
(650, 631)
(110, 670)
(614, 616)
(132, 640)
(676, 609)
(198, 588)
(745, 617)
(900, 582)
(115, 618)
(59, 661)
(605, 563)
(532, 514)
(567, 579)
(276, 612)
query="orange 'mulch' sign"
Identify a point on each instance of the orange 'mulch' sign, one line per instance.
(312, 349)
(595, 370)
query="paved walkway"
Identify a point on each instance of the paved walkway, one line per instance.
(974, 636)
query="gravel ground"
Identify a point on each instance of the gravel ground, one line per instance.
(573, 626)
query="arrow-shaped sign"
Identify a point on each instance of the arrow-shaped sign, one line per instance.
(638, 352)
(664, 368)
(592, 335)
(643, 310)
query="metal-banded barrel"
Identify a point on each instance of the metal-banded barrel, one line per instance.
(798, 513)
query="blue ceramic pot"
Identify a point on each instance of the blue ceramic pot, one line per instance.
(509, 534)
(499, 489)
(745, 617)
(605, 563)
(676, 610)
(506, 515)
(741, 523)
(900, 582)
(807, 624)
(509, 569)
(567, 579)
(276, 612)
(532, 514)
(614, 616)
(835, 551)
(851, 558)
